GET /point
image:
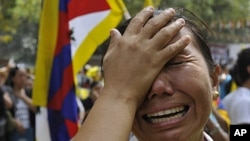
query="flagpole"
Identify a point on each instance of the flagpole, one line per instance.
(148, 3)
(124, 9)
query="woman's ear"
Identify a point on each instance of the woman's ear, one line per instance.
(215, 76)
(248, 69)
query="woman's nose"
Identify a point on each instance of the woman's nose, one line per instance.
(159, 87)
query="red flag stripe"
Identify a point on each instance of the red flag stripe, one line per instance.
(67, 83)
(83, 7)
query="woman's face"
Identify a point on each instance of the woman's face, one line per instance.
(20, 78)
(179, 101)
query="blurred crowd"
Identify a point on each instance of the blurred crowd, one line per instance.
(90, 83)
(233, 102)
(17, 112)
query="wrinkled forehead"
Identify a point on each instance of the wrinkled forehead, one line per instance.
(195, 47)
(184, 32)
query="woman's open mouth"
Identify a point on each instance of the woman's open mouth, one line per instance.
(166, 115)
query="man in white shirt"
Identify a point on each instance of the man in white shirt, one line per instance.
(237, 103)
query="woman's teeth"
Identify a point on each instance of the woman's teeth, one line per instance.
(166, 115)
(164, 119)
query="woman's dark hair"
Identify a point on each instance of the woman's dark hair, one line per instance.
(12, 74)
(234, 73)
(193, 24)
(240, 69)
(199, 29)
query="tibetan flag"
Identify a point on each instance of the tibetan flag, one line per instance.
(148, 3)
(87, 30)
(90, 23)
(154, 3)
(46, 45)
(62, 107)
(69, 33)
(61, 98)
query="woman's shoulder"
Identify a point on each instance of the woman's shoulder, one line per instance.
(206, 136)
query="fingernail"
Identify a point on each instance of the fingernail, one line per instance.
(180, 21)
(187, 39)
(149, 8)
(170, 11)
(112, 32)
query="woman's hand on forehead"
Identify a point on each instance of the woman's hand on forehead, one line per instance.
(135, 58)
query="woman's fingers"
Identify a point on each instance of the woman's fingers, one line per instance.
(132, 55)
(156, 31)
(173, 49)
(114, 38)
(139, 21)
(166, 34)
(154, 24)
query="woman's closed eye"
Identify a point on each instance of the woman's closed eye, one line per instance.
(179, 60)
(175, 63)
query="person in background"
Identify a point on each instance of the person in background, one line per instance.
(5, 102)
(96, 88)
(83, 80)
(22, 111)
(95, 91)
(225, 78)
(237, 103)
(159, 80)
(94, 75)
(3, 77)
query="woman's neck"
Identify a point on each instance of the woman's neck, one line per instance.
(17, 89)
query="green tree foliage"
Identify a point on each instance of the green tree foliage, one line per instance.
(228, 19)
(18, 29)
